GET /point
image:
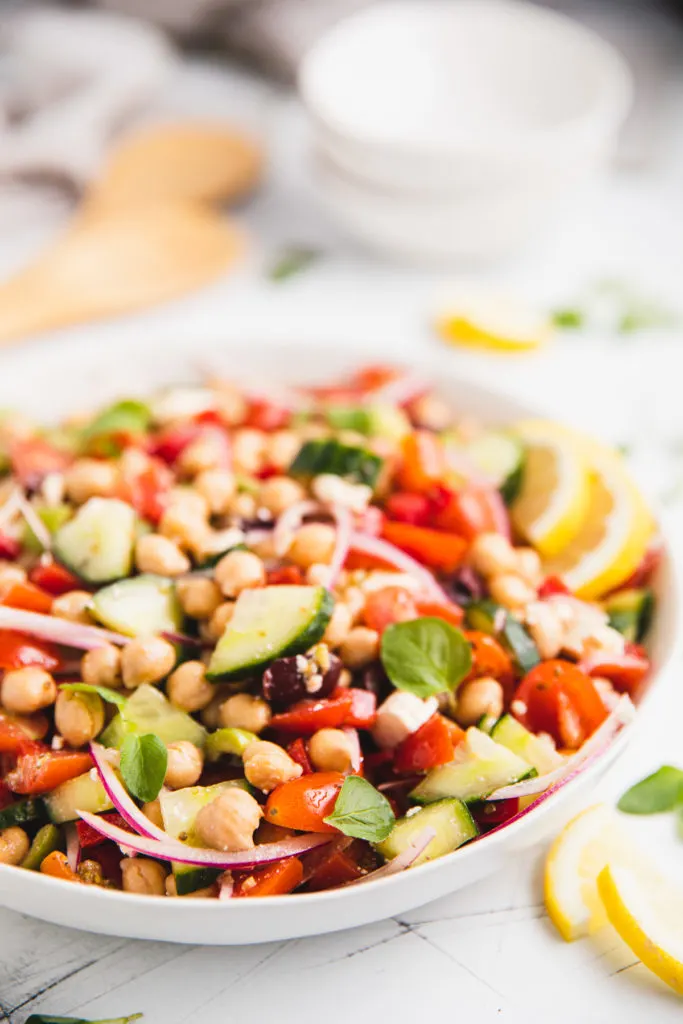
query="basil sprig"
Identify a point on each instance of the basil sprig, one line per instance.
(143, 765)
(425, 656)
(110, 696)
(361, 811)
(661, 791)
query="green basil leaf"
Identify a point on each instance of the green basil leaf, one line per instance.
(143, 765)
(128, 416)
(425, 656)
(661, 791)
(110, 696)
(293, 261)
(361, 811)
(343, 417)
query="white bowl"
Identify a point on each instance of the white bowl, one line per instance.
(474, 102)
(87, 376)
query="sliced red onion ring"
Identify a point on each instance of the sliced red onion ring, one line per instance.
(622, 713)
(73, 847)
(399, 391)
(124, 804)
(59, 631)
(183, 638)
(226, 885)
(342, 518)
(172, 850)
(34, 522)
(289, 522)
(404, 860)
(386, 552)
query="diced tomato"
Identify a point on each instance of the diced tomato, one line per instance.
(445, 610)
(370, 521)
(426, 748)
(57, 866)
(389, 605)
(489, 658)
(275, 880)
(423, 462)
(10, 548)
(18, 735)
(263, 414)
(147, 491)
(287, 575)
(472, 511)
(303, 803)
(53, 577)
(18, 651)
(456, 734)
(28, 596)
(40, 772)
(560, 699)
(340, 867)
(440, 551)
(88, 836)
(625, 671)
(351, 707)
(297, 751)
(551, 586)
(171, 442)
(407, 507)
(32, 460)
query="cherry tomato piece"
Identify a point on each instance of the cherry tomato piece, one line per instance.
(45, 770)
(297, 751)
(426, 748)
(385, 607)
(472, 511)
(558, 698)
(451, 613)
(18, 651)
(407, 507)
(303, 803)
(53, 577)
(275, 880)
(489, 658)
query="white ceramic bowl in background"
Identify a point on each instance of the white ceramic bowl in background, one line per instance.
(473, 103)
(87, 376)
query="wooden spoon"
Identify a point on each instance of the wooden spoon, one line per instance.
(105, 267)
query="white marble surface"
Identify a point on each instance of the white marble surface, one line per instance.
(488, 953)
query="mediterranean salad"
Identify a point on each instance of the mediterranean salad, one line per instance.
(255, 643)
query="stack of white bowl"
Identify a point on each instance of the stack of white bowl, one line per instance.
(457, 129)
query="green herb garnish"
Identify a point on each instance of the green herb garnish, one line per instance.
(361, 811)
(293, 261)
(143, 765)
(661, 791)
(110, 696)
(425, 656)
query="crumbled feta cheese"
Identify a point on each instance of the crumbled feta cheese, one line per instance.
(333, 490)
(399, 716)
(58, 744)
(585, 628)
(379, 580)
(52, 489)
(182, 404)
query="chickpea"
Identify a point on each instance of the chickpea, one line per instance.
(279, 492)
(206, 452)
(217, 487)
(220, 619)
(511, 591)
(157, 554)
(331, 750)
(281, 447)
(313, 542)
(185, 764)
(187, 687)
(491, 554)
(25, 690)
(360, 647)
(189, 501)
(242, 711)
(199, 597)
(238, 571)
(546, 628)
(79, 717)
(266, 765)
(354, 599)
(231, 404)
(10, 573)
(14, 845)
(477, 698)
(431, 412)
(152, 811)
(143, 876)
(243, 505)
(529, 566)
(185, 526)
(339, 626)
(211, 714)
(90, 478)
(248, 450)
(73, 606)
(146, 660)
(229, 821)
(102, 667)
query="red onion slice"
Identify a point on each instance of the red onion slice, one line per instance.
(73, 847)
(289, 522)
(122, 801)
(173, 850)
(621, 715)
(59, 631)
(34, 522)
(386, 552)
(404, 860)
(342, 518)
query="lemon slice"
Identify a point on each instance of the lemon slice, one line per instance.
(575, 860)
(554, 495)
(616, 529)
(646, 912)
(479, 318)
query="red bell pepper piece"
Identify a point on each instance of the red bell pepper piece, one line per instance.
(423, 461)
(551, 586)
(53, 577)
(287, 575)
(275, 880)
(88, 836)
(26, 595)
(262, 414)
(303, 803)
(351, 707)
(298, 753)
(439, 550)
(426, 748)
(389, 605)
(32, 460)
(447, 611)
(147, 491)
(408, 507)
(44, 770)
(171, 442)
(18, 651)
(472, 511)
(19, 735)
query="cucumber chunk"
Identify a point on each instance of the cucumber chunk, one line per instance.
(499, 455)
(330, 456)
(267, 624)
(374, 420)
(630, 612)
(52, 517)
(537, 751)
(479, 767)
(483, 615)
(179, 810)
(450, 819)
(83, 793)
(47, 840)
(23, 812)
(97, 544)
(147, 710)
(228, 741)
(141, 606)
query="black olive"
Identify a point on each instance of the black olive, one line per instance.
(374, 679)
(465, 586)
(284, 682)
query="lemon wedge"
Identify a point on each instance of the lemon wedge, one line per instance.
(576, 858)
(479, 318)
(615, 532)
(646, 912)
(554, 496)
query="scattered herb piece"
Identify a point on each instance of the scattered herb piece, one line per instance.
(110, 696)
(661, 791)
(569, 319)
(425, 656)
(293, 261)
(362, 811)
(143, 765)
